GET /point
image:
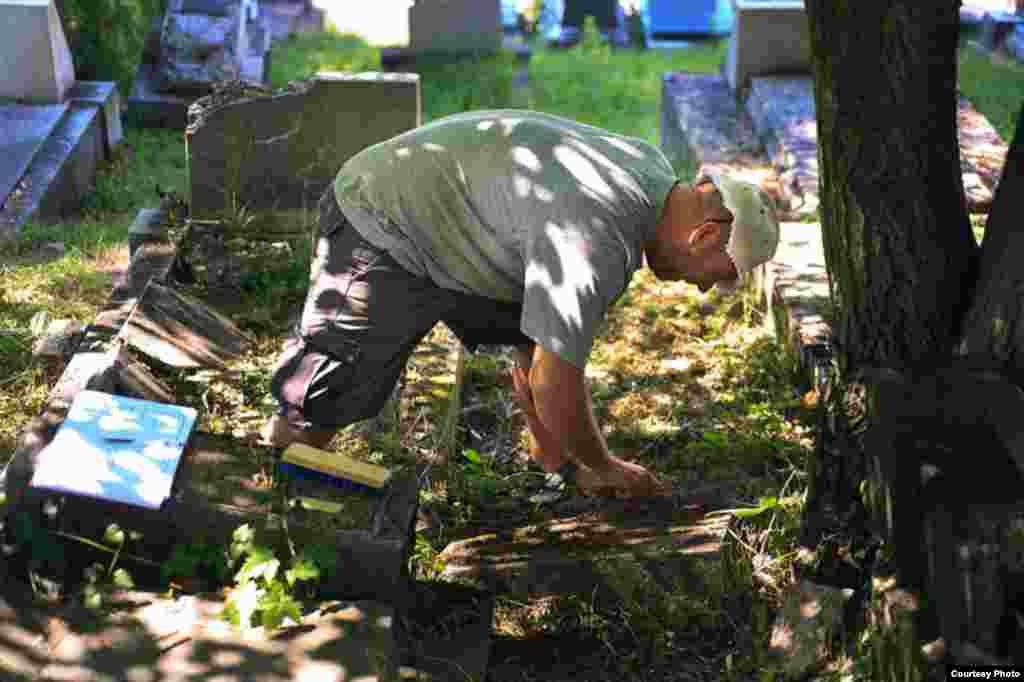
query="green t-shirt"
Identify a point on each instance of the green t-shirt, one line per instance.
(515, 206)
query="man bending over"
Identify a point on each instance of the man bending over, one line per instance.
(514, 228)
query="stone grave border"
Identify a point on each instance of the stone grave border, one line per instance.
(105, 364)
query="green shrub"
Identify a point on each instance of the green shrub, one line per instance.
(106, 36)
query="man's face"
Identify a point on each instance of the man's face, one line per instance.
(696, 248)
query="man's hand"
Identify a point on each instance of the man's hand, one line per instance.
(624, 478)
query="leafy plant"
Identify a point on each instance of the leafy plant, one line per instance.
(424, 562)
(195, 559)
(480, 473)
(260, 595)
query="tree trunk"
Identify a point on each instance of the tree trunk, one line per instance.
(994, 327)
(898, 243)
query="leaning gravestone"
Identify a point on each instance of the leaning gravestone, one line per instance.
(278, 151)
(771, 37)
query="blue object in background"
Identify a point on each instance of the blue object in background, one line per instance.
(673, 20)
(558, 21)
(509, 16)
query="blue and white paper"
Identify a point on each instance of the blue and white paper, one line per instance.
(116, 448)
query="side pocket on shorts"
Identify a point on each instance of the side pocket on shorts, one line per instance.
(308, 372)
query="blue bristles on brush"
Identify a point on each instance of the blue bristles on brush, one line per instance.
(334, 469)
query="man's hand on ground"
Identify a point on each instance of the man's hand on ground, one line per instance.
(626, 479)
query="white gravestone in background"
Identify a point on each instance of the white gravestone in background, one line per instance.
(35, 62)
(770, 37)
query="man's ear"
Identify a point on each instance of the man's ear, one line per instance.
(704, 238)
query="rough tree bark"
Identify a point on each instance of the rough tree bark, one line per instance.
(898, 243)
(914, 293)
(899, 248)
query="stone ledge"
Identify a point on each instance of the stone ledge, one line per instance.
(794, 288)
(61, 172)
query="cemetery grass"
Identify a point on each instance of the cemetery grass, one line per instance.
(994, 86)
(687, 384)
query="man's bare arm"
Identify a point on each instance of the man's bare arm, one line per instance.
(563, 407)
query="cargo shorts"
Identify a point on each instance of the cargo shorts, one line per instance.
(363, 317)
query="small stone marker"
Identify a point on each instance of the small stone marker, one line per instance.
(34, 56)
(771, 36)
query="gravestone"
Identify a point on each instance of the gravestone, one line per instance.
(455, 26)
(34, 57)
(202, 42)
(770, 37)
(278, 151)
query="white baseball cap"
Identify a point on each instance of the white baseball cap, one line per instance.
(755, 227)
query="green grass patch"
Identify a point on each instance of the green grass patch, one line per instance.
(995, 90)
(302, 55)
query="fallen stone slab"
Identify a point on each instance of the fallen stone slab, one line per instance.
(704, 127)
(180, 331)
(580, 553)
(782, 110)
(146, 635)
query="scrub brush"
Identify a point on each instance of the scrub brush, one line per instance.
(314, 464)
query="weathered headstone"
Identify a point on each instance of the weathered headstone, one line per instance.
(270, 152)
(202, 43)
(34, 57)
(771, 36)
(455, 25)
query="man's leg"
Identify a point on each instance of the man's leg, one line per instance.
(352, 345)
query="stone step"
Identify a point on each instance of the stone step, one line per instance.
(578, 554)
(56, 157)
(24, 129)
(794, 289)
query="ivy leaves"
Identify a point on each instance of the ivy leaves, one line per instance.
(260, 596)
